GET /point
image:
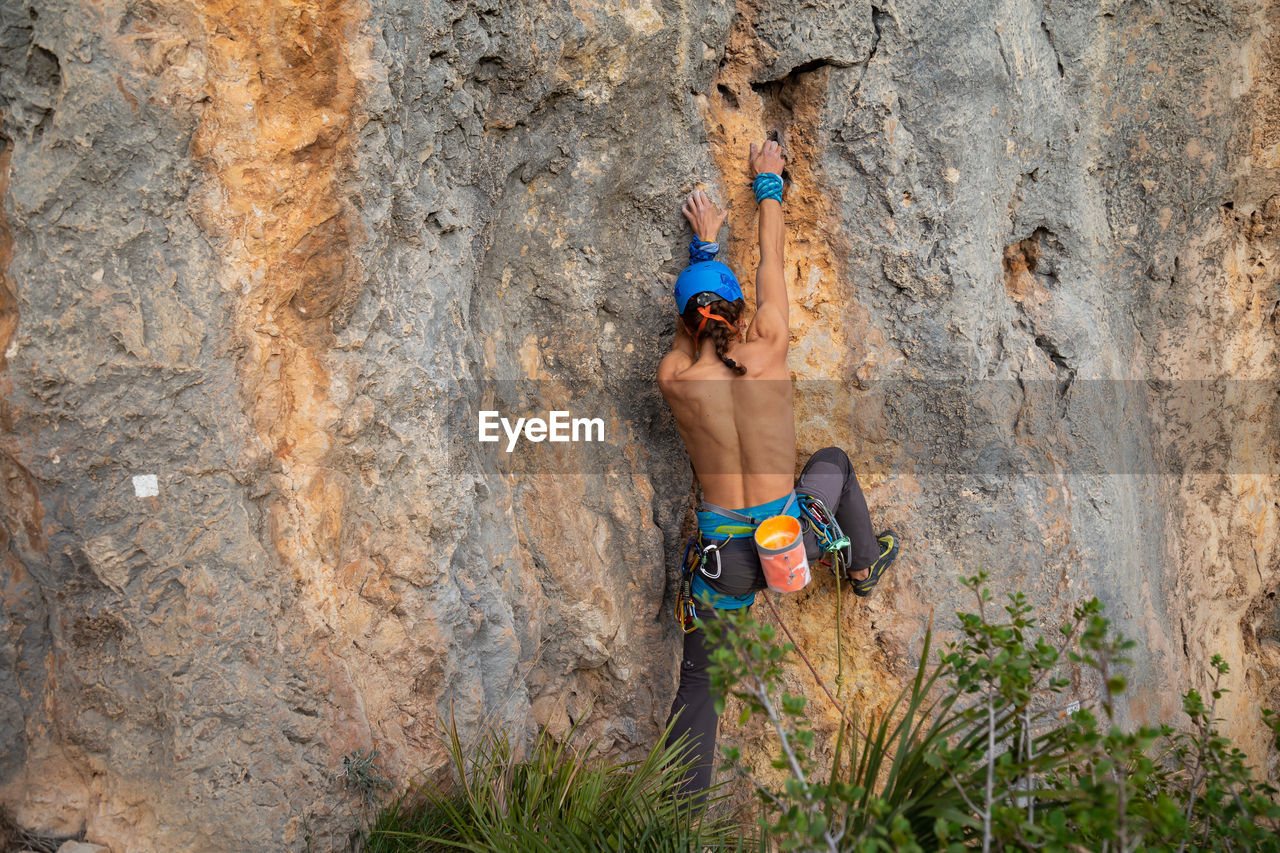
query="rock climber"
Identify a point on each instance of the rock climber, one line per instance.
(729, 388)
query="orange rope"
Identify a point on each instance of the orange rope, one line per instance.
(778, 617)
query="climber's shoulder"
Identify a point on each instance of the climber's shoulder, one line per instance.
(682, 376)
(769, 330)
(673, 364)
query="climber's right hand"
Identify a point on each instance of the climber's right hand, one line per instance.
(766, 158)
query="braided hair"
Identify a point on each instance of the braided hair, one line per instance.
(720, 333)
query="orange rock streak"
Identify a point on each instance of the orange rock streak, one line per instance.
(278, 137)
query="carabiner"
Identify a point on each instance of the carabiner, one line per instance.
(702, 566)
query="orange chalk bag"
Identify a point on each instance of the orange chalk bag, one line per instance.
(780, 546)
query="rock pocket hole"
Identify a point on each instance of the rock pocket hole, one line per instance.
(43, 68)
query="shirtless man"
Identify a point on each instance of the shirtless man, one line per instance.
(731, 398)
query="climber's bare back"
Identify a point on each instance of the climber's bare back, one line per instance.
(739, 430)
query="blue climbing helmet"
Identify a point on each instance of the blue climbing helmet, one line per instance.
(706, 277)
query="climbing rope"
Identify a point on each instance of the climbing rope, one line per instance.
(812, 669)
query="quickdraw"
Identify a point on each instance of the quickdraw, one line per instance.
(686, 608)
(834, 546)
(831, 538)
(694, 559)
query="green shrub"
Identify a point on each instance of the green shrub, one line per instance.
(558, 799)
(360, 773)
(975, 752)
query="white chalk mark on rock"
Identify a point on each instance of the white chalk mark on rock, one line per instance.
(146, 486)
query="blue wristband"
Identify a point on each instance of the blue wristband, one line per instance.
(767, 185)
(700, 250)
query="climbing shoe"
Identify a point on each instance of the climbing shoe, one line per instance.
(888, 552)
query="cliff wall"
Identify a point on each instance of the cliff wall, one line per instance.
(277, 255)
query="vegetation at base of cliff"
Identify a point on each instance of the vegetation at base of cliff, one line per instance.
(976, 753)
(558, 799)
(360, 773)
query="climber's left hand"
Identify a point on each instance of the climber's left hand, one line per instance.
(703, 214)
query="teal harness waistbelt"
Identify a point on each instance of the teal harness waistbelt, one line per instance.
(716, 522)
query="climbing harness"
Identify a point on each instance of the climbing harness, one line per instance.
(779, 545)
(834, 545)
(830, 538)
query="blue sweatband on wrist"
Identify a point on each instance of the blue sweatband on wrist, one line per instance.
(767, 185)
(701, 250)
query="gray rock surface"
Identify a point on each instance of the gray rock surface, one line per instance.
(279, 255)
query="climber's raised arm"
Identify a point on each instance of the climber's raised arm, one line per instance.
(706, 219)
(770, 323)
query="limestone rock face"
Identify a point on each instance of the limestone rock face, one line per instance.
(264, 262)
